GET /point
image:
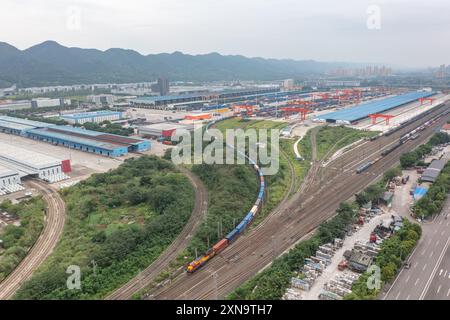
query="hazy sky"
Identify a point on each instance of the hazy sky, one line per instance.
(413, 33)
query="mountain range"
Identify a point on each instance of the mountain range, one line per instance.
(50, 63)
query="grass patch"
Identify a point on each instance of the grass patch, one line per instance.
(17, 240)
(332, 138)
(118, 223)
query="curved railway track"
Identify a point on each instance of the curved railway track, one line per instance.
(43, 246)
(145, 277)
(303, 213)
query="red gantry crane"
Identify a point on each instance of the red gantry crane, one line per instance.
(375, 116)
(243, 108)
(423, 100)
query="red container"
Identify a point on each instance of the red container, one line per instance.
(219, 246)
(167, 133)
(65, 166)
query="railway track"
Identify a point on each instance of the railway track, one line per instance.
(145, 277)
(302, 214)
(43, 246)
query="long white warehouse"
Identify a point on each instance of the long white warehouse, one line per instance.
(16, 163)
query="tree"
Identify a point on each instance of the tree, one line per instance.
(392, 173)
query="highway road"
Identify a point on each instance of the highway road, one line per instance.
(55, 218)
(145, 277)
(302, 214)
(429, 275)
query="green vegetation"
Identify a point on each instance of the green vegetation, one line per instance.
(118, 223)
(331, 138)
(272, 283)
(17, 240)
(107, 127)
(276, 185)
(433, 201)
(232, 190)
(415, 157)
(392, 255)
(371, 194)
(392, 173)
(300, 167)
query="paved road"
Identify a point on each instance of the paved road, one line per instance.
(44, 245)
(178, 245)
(429, 274)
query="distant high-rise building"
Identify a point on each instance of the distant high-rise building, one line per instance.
(163, 84)
(288, 84)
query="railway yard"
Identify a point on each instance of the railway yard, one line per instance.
(300, 215)
(408, 119)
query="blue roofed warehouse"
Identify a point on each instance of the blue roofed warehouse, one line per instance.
(362, 111)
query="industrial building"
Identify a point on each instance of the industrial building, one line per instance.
(17, 163)
(162, 130)
(9, 181)
(362, 111)
(15, 105)
(46, 103)
(102, 99)
(433, 170)
(76, 138)
(96, 116)
(161, 102)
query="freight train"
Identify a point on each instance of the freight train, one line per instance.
(414, 134)
(240, 228)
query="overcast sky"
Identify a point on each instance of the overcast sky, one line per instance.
(408, 33)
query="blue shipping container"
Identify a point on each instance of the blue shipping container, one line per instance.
(230, 237)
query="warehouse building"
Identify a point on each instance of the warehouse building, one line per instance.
(17, 163)
(102, 99)
(96, 116)
(162, 130)
(15, 105)
(433, 171)
(362, 111)
(90, 141)
(80, 139)
(9, 181)
(162, 102)
(46, 103)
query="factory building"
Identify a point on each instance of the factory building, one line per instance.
(46, 103)
(15, 105)
(76, 138)
(162, 130)
(433, 171)
(102, 99)
(97, 116)
(17, 163)
(9, 181)
(161, 102)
